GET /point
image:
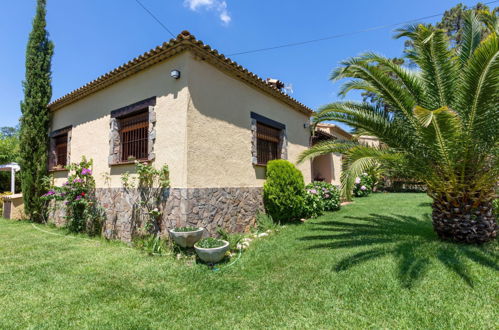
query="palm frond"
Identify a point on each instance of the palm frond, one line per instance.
(387, 88)
(438, 70)
(472, 34)
(410, 79)
(371, 119)
(360, 159)
(490, 20)
(326, 148)
(479, 98)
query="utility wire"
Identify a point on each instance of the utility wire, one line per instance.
(299, 43)
(157, 19)
(346, 34)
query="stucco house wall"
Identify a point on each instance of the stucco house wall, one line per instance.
(219, 129)
(203, 131)
(90, 118)
(329, 167)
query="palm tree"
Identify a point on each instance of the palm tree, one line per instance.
(442, 127)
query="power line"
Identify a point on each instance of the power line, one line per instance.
(157, 19)
(335, 36)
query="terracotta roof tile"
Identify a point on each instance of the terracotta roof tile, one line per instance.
(184, 41)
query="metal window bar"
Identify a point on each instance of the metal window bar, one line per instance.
(61, 150)
(134, 136)
(267, 147)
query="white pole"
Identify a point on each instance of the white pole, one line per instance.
(13, 180)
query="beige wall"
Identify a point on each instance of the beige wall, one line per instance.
(368, 140)
(90, 118)
(219, 135)
(205, 140)
(328, 167)
(16, 207)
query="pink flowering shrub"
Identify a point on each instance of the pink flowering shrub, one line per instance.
(363, 185)
(329, 194)
(77, 195)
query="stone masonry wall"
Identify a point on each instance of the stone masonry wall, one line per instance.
(233, 209)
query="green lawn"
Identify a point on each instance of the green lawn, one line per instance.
(376, 263)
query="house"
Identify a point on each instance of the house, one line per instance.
(328, 167)
(213, 122)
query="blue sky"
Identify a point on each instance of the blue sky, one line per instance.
(94, 36)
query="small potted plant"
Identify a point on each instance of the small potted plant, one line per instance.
(186, 237)
(211, 250)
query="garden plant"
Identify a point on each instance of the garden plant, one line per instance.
(77, 194)
(441, 126)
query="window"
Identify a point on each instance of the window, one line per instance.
(269, 140)
(267, 143)
(132, 132)
(61, 150)
(134, 136)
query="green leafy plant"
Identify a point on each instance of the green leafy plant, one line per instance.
(284, 191)
(265, 222)
(152, 245)
(78, 195)
(441, 126)
(329, 194)
(185, 229)
(147, 189)
(233, 239)
(210, 243)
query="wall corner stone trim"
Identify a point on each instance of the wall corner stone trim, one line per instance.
(254, 157)
(152, 134)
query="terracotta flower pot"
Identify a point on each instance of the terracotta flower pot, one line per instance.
(186, 238)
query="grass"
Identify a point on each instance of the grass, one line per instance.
(376, 263)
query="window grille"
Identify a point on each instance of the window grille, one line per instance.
(268, 140)
(61, 150)
(134, 136)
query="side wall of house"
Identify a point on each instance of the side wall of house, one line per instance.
(224, 186)
(90, 118)
(219, 129)
(203, 132)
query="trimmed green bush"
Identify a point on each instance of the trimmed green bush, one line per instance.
(284, 191)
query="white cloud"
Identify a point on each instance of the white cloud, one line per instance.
(219, 6)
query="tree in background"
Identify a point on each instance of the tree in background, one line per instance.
(453, 20)
(35, 115)
(443, 125)
(9, 152)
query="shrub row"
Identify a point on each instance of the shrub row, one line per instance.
(286, 197)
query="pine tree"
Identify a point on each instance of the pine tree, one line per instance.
(35, 115)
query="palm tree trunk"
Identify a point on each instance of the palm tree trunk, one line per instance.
(464, 220)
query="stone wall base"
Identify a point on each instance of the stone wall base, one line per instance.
(233, 209)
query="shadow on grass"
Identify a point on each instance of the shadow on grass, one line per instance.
(409, 239)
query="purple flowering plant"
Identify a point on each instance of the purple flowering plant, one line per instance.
(323, 196)
(77, 195)
(363, 185)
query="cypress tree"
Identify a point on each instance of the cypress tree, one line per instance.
(35, 115)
